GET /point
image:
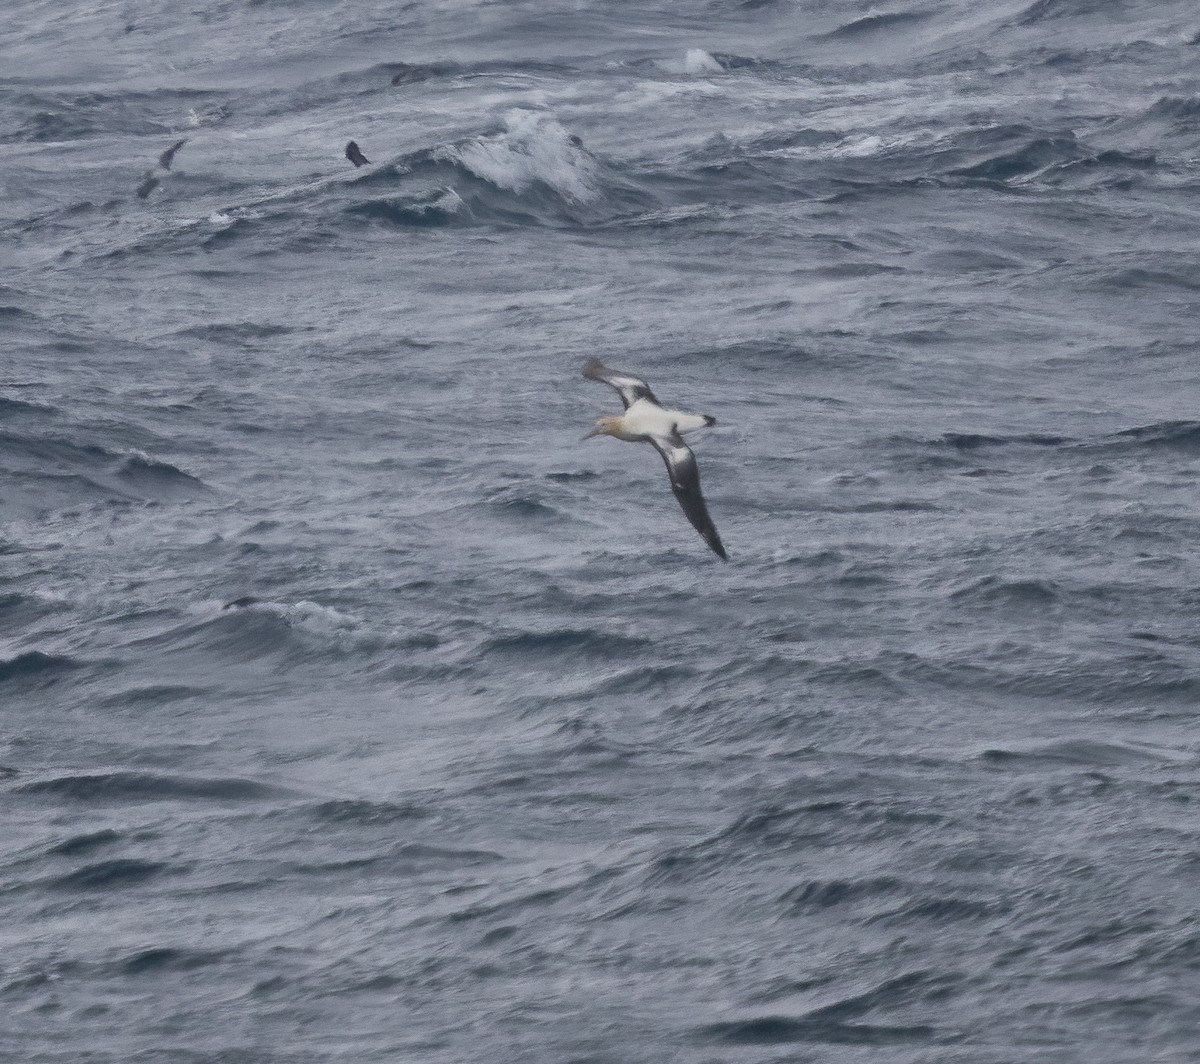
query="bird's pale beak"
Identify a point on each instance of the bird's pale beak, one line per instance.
(597, 431)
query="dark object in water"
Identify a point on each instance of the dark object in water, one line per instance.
(168, 156)
(409, 74)
(148, 185)
(356, 156)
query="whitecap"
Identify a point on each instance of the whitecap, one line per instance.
(532, 149)
(450, 201)
(698, 61)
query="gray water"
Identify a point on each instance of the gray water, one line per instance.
(353, 709)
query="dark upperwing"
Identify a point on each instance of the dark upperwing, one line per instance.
(685, 482)
(628, 387)
(148, 185)
(168, 156)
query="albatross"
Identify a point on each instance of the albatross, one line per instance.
(646, 421)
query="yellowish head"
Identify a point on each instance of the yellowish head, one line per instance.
(606, 425)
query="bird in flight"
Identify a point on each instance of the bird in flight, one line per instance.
(355, 155)
(645, 421)
(153, 178)
(168, 156)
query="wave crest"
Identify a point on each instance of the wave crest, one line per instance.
(532, 150)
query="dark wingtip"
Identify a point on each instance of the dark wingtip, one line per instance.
(168, 156)
(709, 420)
(592, 367)
(719, 550)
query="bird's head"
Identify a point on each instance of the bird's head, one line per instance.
(606, 425)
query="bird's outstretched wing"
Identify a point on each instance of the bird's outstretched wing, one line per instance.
(355, 155)
(629, 387)
(168, 156)
(685, 482)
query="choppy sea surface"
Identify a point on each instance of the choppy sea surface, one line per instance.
(353, 709)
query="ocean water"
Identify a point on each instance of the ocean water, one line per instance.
(353, 709)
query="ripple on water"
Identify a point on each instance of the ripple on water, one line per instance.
(108, 787)
(118, 873)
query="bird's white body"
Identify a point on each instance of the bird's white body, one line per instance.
(644, 418)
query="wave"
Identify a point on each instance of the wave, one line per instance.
(962, 450)
(773, 827)
(1010, 156)
(1185, 276)
(20, 408)
(1115, 681)
(533, 171)
(405, 860)
(167, 959)
(761, 168)
(698, 61)
(972, 441)
(154, 695)
(868, 25)
(243, 634)
(564, 640)
(241, 332)
(566, 476)
(993, 590)
(402, 74)
(532, 150)
(365, 812)
(522, 503)
(49, 450)
(877, 506)
(153, 479)
(251, 630)
(784, 1030)
(1032, 157)
(940, 910)
(1106, 169)
(819, 894)
(1173, 435)
(57, 471)
(840, 1022)
(1185, 110)
(1049, 10)
(18, 611)
(42, 117)
(638, 680)
(34, 668)
(1076, 752)
(434, 209)
(1169, 127)
(108, 875)
(76, 845)
(106, 787)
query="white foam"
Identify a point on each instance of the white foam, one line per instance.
(311, 616)
(533, 148)
(451, 202)
(698, 61)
